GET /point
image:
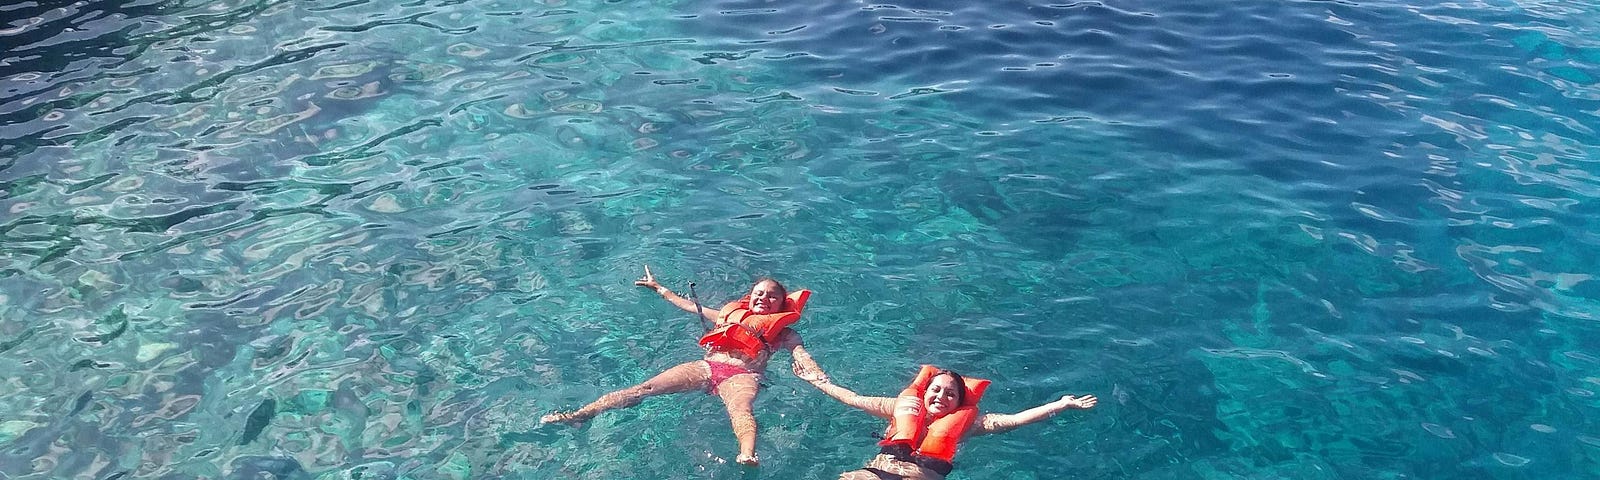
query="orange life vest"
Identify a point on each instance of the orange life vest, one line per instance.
(746, 332)
(936, 440)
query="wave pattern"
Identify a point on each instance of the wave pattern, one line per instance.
(354, 238)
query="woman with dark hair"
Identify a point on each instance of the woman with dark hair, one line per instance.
(929, 418)
(746, 332)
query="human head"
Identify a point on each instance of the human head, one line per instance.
(767, 296)
(945, 392)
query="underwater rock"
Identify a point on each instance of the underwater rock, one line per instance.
(367, 471)
(386, 203)
(1047, 226)
(352, 92)
(258, 420)
(280, 468)
(150, 351)
(13, 429)
(423, 72)
(466, 50)
(344, 71)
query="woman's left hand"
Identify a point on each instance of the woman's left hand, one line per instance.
(809, 374)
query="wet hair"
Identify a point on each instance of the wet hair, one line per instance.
(961, 385)
(783, 292)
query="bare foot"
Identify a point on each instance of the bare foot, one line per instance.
(563, 418)
(749, 460)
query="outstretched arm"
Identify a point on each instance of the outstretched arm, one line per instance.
(999, 422)
(807, 369)
(881, 407)
(649, 281)
(804, 366)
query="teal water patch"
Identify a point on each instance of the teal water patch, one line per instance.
(356, 239)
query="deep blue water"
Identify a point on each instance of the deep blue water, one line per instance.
(374, 239)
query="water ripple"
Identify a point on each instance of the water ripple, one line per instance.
(359, 237)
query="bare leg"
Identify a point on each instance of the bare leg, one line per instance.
(683, 377)
(738, 394)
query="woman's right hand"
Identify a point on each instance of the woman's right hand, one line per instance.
(649, 281)
(1084, 402)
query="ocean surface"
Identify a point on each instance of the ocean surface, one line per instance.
(308, 239)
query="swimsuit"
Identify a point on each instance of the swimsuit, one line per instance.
(886, 466)
(882, 475)
(721, 372)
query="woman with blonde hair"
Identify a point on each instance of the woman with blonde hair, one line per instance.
(745, 334)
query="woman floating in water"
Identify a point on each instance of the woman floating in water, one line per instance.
(929, 418)
(746, 333)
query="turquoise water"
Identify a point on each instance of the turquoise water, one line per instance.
(374, 239)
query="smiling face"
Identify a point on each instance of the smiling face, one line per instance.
(766, 297)
(942, 396)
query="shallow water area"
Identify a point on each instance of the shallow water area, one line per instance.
(368, 238)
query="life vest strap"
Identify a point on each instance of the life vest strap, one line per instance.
(753, 333)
